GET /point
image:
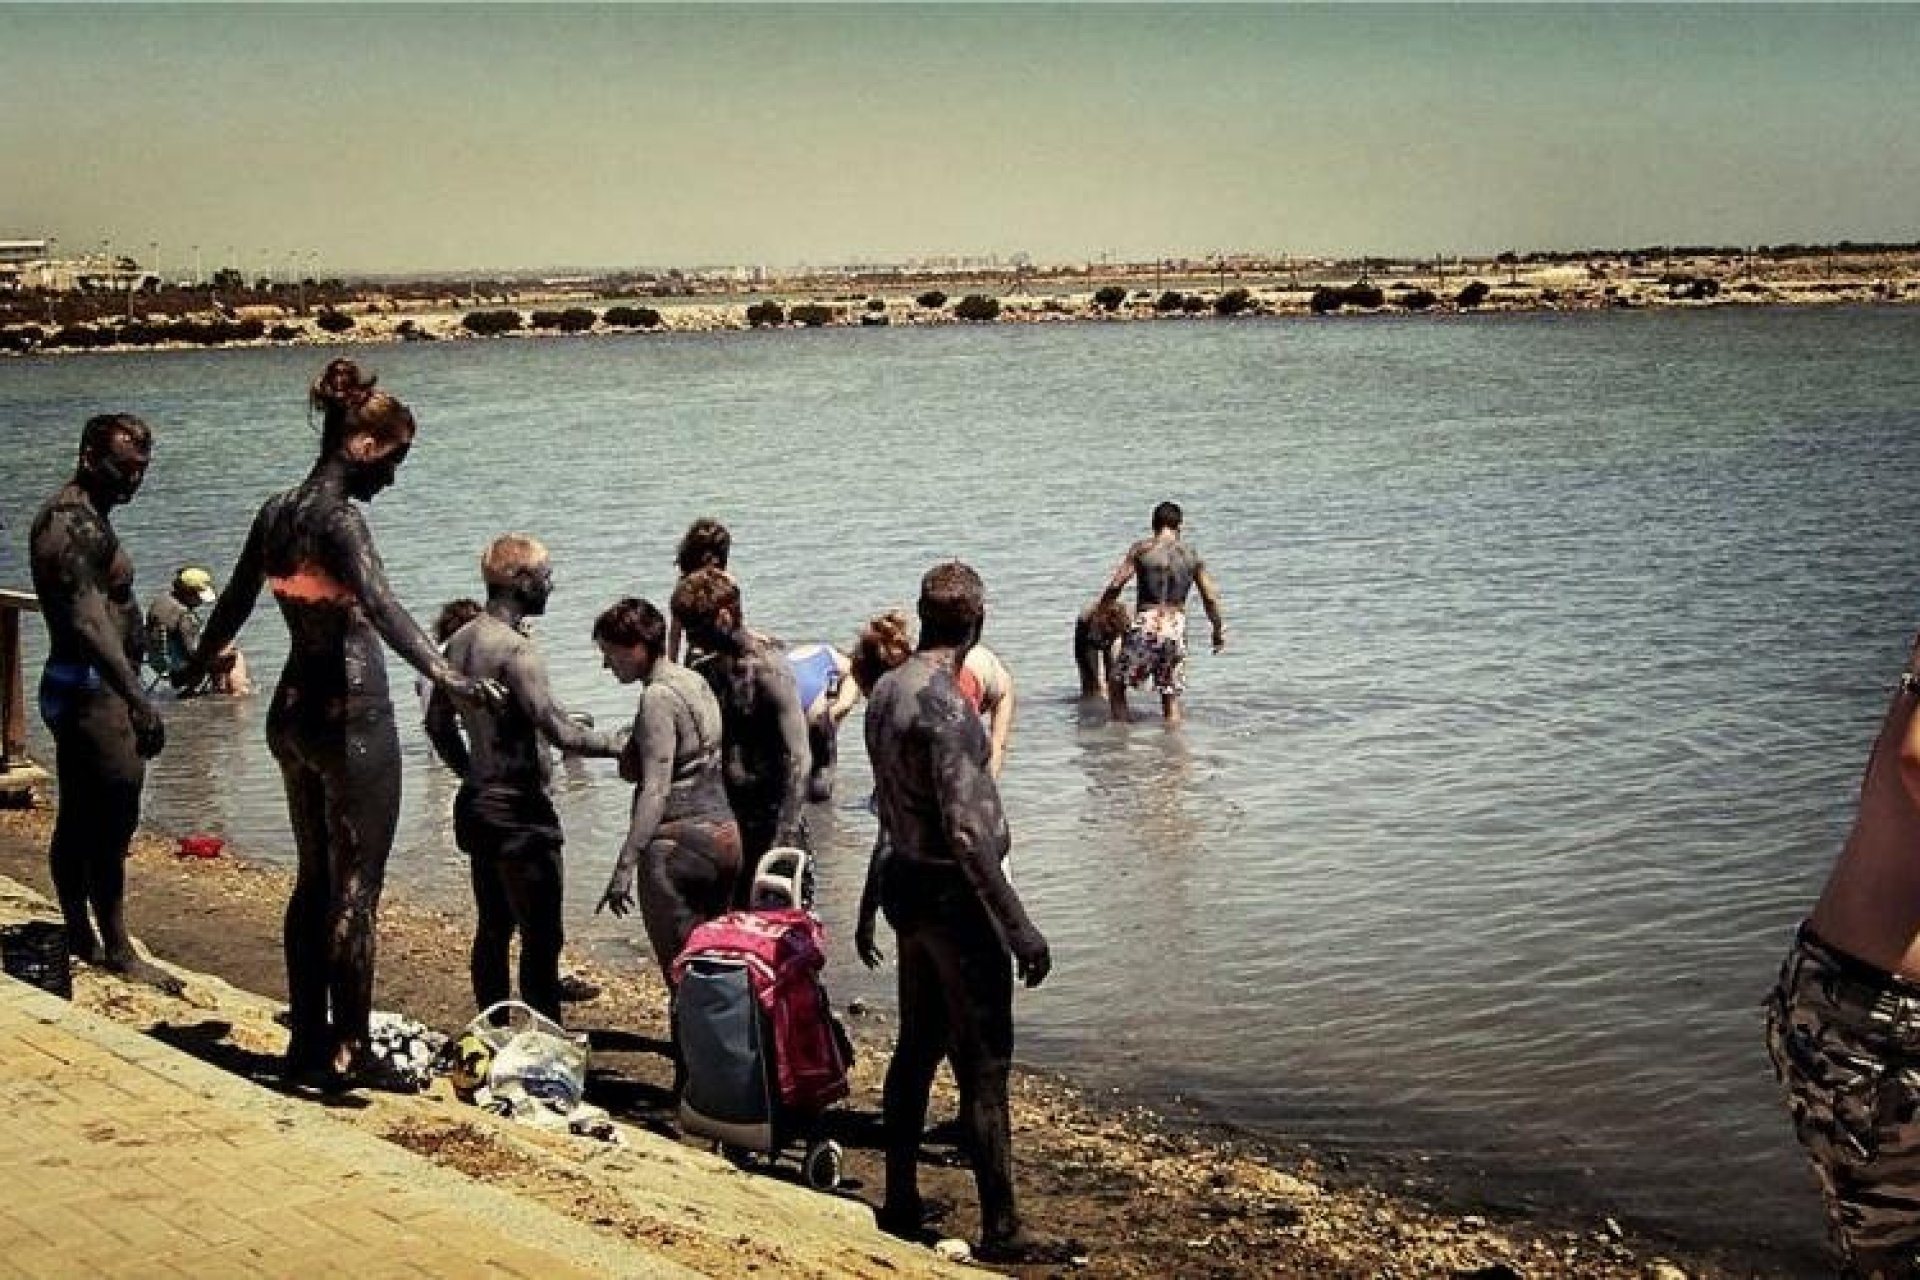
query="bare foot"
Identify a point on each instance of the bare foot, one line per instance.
(134, 969)
(1020, 1249)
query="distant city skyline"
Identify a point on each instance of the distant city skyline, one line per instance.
(295, 139)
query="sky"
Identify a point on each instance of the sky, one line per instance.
(374, 138)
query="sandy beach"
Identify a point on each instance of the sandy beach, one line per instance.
(1144, 1195)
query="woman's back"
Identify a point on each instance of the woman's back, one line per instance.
(308, 539)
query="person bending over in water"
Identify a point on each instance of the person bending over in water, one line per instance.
(1166, 570)
(1097, 633)
(827, 697)
(503, 818)
(104, 727)
(764, 733)
(705, 545)
(987, 686)
(955, 917)
(681, 858)
(330, 724)
(1843, 1021)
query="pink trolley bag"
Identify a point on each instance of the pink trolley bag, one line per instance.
(764, 1057)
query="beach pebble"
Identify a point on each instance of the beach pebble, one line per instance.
(954, 1250)
(1664, 1270)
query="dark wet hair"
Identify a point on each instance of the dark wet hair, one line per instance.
(632, 621)
(99, 432)
(701, 595)
(454, 614)
(705, 543)
(883, 644)
(952, 601)
(1167, 516)
(351, 407)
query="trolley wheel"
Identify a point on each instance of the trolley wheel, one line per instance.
(823, 1165)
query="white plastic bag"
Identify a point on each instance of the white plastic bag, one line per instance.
(534, 1059)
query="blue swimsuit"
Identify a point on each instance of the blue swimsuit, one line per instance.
(816, 673)
(60, 682)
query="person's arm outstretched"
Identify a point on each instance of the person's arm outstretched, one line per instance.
(1121, 575)
(235, 605)
(366, 577)
(526, 680)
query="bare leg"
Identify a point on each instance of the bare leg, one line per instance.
(1117, 702)
(101, 776)
(305, 932)
(917, 1053)
(1170, 708)
(363, 808)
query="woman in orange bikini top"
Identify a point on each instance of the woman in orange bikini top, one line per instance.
(330, 724)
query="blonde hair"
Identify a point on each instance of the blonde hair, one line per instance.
(883, 644)
(510, 554)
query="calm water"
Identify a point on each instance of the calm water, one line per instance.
(1557, 645)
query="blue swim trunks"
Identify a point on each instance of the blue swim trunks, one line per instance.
(61, 683)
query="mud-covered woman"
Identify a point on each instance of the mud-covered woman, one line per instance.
(682, 853)
(330, 724)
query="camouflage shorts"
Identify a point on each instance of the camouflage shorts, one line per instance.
(1845, 1041)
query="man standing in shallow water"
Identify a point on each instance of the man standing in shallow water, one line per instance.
(1166, 570)
(104, 727)
(1843, 1022)
(503, 818)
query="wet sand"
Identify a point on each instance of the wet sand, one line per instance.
(1144, 1195)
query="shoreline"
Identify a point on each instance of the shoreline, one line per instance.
(370, 316)
(1146, 1193)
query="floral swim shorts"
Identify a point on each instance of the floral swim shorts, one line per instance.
(1845, 1041)
(1156, 647)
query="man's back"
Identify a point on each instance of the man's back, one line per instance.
(1165, 569)
(930, 766)
(503, 744)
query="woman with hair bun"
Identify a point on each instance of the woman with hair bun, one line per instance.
(330, 725)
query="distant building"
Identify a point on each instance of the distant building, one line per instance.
(29, 264)
(17, 257)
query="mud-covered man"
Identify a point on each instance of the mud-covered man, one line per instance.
(104, 727)
(1165, 570)
(504, 819)
(961, 929)
(1843, 1023)
(765, 751)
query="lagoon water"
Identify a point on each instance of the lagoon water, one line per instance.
(1556, 647)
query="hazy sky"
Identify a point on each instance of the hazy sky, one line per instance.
(379, 138)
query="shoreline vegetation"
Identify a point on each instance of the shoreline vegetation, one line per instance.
(333, 313)
(1143, 1193)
